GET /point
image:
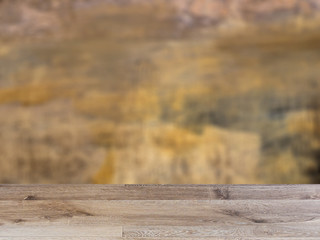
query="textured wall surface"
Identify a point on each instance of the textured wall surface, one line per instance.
(139, 91)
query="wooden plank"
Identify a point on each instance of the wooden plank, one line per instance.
(293, 230)
(47, 230)
(159, 212)
(133, 212)
(129, 238)
(58, 238)
(158, 192)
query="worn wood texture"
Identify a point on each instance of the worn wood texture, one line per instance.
(159, 212)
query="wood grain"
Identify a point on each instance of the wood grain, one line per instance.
(159, 212)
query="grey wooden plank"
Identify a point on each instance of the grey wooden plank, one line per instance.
(153, 213)
(58, 238)
(158, 192)
(53, 230)
(273, 231)
(156, 238)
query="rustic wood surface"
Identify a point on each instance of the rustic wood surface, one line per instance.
(159, 212)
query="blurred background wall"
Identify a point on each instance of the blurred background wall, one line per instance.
(179, 91)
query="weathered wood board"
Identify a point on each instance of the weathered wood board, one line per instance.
(159, 212)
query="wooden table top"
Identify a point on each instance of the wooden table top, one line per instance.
(157, 212)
